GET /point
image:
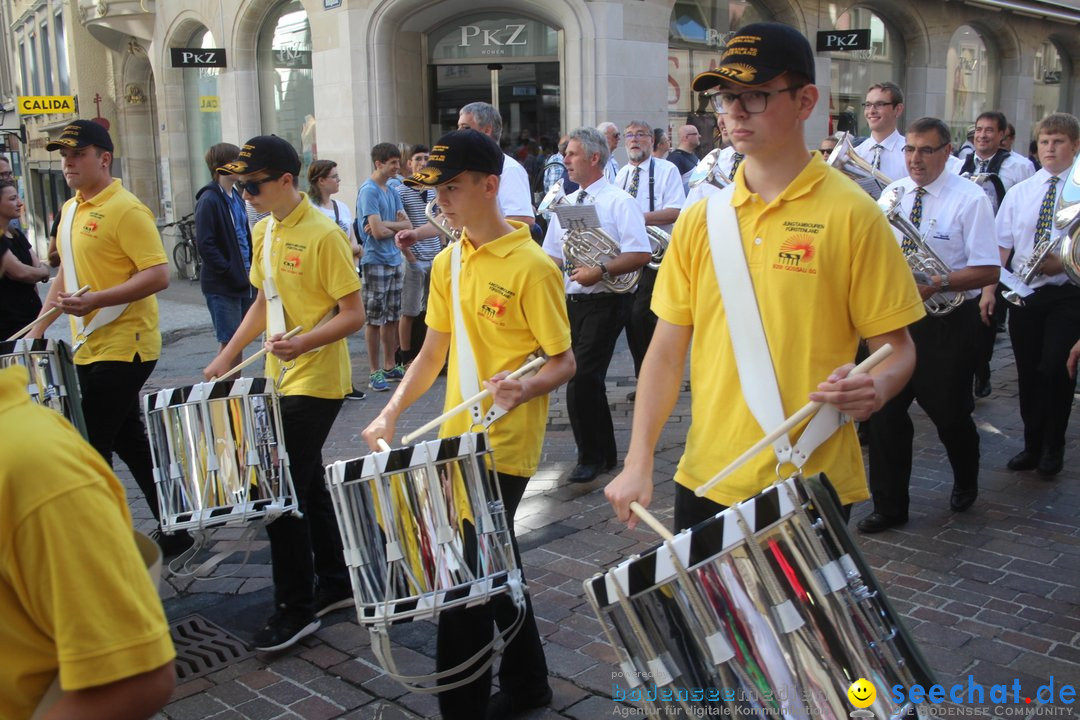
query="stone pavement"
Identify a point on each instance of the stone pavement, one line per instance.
(994, 592)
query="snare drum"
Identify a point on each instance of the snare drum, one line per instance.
(219, 455)
(424, 530)
(53, 380)
(758, 610)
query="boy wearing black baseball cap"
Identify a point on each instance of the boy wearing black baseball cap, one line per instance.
(814, 266)
(511, 303)
(302, 267)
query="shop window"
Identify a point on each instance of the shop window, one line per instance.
(969, 90)
(1046, 95)
(852, 73)
(202, 111)
(286, 93)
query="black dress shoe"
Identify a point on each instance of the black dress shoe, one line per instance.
(1051, 461)
(982, 388)
(504, 705)
(876, 522)
(961, 499)
(585, 473)
(1023, 460)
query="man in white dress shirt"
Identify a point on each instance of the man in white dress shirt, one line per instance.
(656, 186)
(955, 216)
(990, 157)
(882, 109)
(1048, 323)
(611, 135)
(515, 197)
(597, 314)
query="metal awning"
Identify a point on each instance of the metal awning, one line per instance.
(1064, 12)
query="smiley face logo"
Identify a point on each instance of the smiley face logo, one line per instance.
(861, 693)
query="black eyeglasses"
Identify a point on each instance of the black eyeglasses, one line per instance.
(877, 105)
(251, 187)
(924, 150)
(752, 101)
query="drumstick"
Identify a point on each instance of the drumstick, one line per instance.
(806, 411)
(287, 336)
(383, 445)
(53, 312)
(466, 404)
(650, 520)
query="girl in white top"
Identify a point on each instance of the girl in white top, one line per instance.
(324, 181)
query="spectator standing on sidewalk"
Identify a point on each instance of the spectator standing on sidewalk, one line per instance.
(380, 211)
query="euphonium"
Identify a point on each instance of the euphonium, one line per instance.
(1067, 218)
(846, 160)
(1032, 267)
(588, 247)
(707, 170)
(923, 259)
(659, 240)
(440, 222)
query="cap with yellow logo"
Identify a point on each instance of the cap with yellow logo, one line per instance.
(758, 53)
(457, 152)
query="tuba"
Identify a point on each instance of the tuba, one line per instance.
(659, 241)
(707, 170)
(1031, 268)
(588, 247)
(846, 160)
(923, 259)
(440, 222)
(1067, 218)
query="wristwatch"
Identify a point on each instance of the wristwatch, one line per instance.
(604, 272)
(944, 285)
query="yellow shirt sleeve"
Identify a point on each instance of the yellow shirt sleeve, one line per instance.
(544, 306)
(883, 296)
(438, 307)
(671, 299)
(336, 267)
(139, 238)
(258, 234)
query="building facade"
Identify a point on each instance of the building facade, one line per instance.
(335, 77)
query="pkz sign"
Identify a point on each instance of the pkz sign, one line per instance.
(198, 57)
(508, 35)
(843, 40)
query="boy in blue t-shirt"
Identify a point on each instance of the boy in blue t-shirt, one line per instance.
(382, 215)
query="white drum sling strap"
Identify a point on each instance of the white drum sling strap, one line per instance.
(751, 348)
(103, 316)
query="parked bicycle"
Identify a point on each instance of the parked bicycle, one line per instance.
(185, 253)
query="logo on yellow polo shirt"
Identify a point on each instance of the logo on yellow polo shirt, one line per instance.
(493, 307)
(797, 251)
(90, 227)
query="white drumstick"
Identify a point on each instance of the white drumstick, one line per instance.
(466, 404)
(287, 336)
(803, 413)
(53, 312)
(650, 520)
(383, 445)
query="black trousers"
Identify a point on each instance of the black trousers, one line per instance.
(691, 509)
(595, 323)
(464, 631)
(642, 320)
(1042, 333)
(114, 423)
(941, 383)
(987, 335)
(307, 550)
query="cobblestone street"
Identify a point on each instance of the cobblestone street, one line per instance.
(993, 593)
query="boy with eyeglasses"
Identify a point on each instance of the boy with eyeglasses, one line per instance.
(823, 271)
(882, 109)
(303, 269)
(954, 216)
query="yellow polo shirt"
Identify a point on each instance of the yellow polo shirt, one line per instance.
(313, 269)
(826, 270)
(114, 237)
(513, 302)
(75, 596)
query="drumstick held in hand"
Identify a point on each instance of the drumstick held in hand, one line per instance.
(53, 312)
(466, 404)
(804, 412)
(651, 520)
(383, 445)
(287, 336)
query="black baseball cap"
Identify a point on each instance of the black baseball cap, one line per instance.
(457, 152)
(758, 53)
(80, 134)
(264, 152)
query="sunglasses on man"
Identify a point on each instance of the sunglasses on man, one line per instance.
(252, 187)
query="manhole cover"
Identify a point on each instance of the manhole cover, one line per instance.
(202, 647)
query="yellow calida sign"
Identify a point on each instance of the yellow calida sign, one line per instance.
(209, 103)
(41, 104)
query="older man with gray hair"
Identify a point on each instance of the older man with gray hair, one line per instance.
(515, 198)
(611, 134)
(597, 314)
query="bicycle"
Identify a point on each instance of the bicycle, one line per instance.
(185, 252)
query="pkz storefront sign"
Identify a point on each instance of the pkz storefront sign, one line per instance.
(843, 40)
(491, 35)
(198, 57)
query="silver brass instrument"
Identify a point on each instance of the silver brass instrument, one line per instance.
(846, 160)
(983, 180)
(659, 241)
(707, 170)
(1032, 267)
(923, 259)
(589, 247)
(440, 222)
(1067, 218)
